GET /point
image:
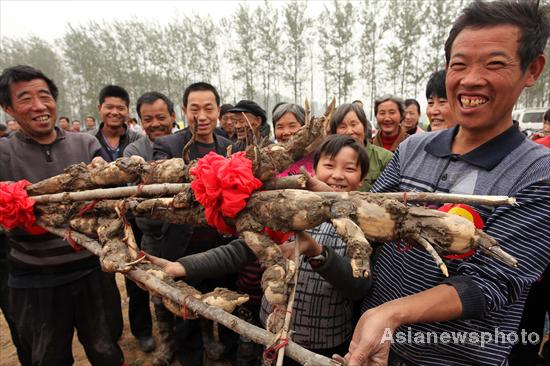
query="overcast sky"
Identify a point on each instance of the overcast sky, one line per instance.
(48, 19)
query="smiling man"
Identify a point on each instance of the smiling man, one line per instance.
(113, 133)
(52, 288)
(493, 52)
(201, 107)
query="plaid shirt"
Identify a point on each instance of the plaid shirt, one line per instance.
(322, 317)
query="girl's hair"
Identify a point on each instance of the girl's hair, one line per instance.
(332, 146)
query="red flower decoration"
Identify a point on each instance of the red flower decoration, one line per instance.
(222, 186)
(16, 208)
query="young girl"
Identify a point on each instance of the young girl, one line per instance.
(323, 306)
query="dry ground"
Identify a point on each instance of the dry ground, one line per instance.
(132, 353)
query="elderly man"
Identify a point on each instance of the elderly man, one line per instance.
(52, 288)
(248, 118)
(157, 115)
(494, 51)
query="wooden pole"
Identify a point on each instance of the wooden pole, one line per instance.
(156, 285)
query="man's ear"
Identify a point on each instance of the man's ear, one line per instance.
(173, 117)
(535, 70)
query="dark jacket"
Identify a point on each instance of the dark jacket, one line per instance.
(127, 138)
(44, 260)
(171, 146)
(182, 240)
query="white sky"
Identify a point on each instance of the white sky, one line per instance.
(48, 19)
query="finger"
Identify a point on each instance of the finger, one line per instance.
(155, 260)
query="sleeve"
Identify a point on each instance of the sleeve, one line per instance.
(337, 271)
(389, 180)
(161, 150)
(485, 284)
(94, 147)
(219, 261)
(130, 150)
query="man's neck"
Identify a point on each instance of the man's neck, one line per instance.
(46, 140)
(112, 132)
(467, 140)
(206, 139)
(391, 134)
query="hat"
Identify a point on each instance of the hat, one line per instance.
(249, 106)
(225, 109)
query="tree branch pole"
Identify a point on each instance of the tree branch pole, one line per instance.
(154, 190)
(292, 182)
(430, 197)
(154, 284)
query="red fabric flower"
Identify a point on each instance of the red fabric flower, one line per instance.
(16, 208)
(222, 186)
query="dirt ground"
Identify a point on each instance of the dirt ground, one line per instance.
(133, 355)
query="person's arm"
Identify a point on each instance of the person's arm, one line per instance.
(161, 150)
(336, 269)
(481, 284)
(131, 150)
(216, 262)
(370, 343)
(388, 181)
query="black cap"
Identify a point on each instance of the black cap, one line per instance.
(249, 106)
(225, 109)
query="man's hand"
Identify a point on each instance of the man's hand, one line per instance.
(370, 344)
(174, 269)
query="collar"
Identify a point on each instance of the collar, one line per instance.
(486, 156)
(103, 124)
(21, 135)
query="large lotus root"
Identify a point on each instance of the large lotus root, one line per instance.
(87, 225)
(52, 219)
(275, 282)
(122, 170)
(357, 247)
(73, 178)
(224, 299)
(164, 171)
(275, 321)
(114, 254)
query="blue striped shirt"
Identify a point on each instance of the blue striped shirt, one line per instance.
(493, 295)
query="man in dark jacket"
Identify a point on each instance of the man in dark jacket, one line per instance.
(52, 288)
(113, 134)
(201, 103)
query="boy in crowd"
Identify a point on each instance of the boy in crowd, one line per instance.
(323, 306)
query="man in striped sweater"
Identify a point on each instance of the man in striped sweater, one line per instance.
(414, 315)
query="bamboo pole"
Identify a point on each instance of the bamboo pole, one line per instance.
(154, 284)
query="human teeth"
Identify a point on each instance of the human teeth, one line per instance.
(42, 118)
(472, 102)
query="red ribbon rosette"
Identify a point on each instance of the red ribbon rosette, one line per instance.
(222, 186)
(17, 208)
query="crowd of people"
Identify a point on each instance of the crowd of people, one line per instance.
(472, 146)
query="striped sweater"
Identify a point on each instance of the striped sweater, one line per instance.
(492, 294)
